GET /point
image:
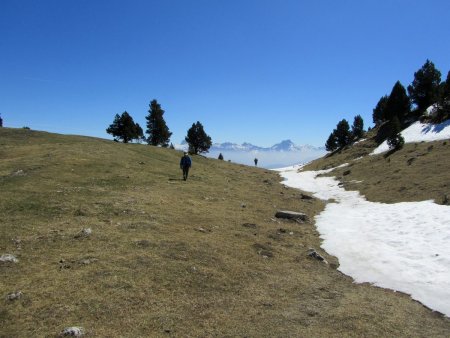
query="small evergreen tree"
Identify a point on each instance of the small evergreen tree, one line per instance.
(379, 112)
(197, 139)
(123, 128)
(342, 133)
(157, 130)
(395, 140)
(1, 121)
(220, 157)
(358, 127)
(424, 90)
(398, 104)
(442, 112)
(171, 146)
(331, 144)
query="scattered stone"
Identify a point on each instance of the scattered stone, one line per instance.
(141, 162)
(306, 197)
(86, 232)
(143, 243)
(8, 258)
(250, 225)
(293, 215)
(19, 172)
(411, 160)
(63, 264)
(73, 331)
(347, 172)
(314, 254)
(87, 261)
(243, 205)
(282, 230)
(200, 229)
(14, 296)
(263, 250)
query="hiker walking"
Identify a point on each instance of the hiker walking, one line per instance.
(256, 162)
(185, 164)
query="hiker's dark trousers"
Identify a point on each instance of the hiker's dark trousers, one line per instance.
(185, 172)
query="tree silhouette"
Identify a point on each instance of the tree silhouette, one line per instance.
(197, 139)
(123, 128)
(424, 90)
(331, 144)
(398, 104)
(358, 127)
(157, 130)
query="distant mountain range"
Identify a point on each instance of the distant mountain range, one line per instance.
(286, 145)
(279, 155)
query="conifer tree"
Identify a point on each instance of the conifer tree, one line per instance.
(395, 140)
(331, 144)
(398, 104)
(424, 90)
(220, 157)
(358, 127)
(379, 112)
(197, 139)
(342, 133)
(157, 130)
(443, 106)
(1, 121)
(171, 146)
(123, 128)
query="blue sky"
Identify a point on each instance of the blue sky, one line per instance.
(249, 70)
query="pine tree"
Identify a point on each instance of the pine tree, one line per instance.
(424, 90)
(331, 144)
(123, 128)
(157, 130)
(442, 112)
(171, 146)
(358, 127)
(220, 157)
(1, 121)
(197, 139)
(342, 133)
(379, 112)
(398, 104)
(139, 133)
(395, 140)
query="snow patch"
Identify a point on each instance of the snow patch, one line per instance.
(402, 246)
(418, 132)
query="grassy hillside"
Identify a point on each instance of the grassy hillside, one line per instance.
(170, 258)
(417, 172)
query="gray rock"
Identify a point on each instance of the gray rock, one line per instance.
(314, 254)
(73, 331)
(306, 197)
(84, 233)
(14, 296)
(297, 216)
(8, 258)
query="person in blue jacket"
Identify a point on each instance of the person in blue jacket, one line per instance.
(185, 164)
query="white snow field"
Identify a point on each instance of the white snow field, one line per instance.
(403, 246)
(418, 132)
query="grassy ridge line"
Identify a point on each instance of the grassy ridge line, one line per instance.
(419, 171)
(167, 257)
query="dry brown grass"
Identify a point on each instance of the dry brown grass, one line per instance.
(168, 257)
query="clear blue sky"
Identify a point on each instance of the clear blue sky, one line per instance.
(249, 70)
